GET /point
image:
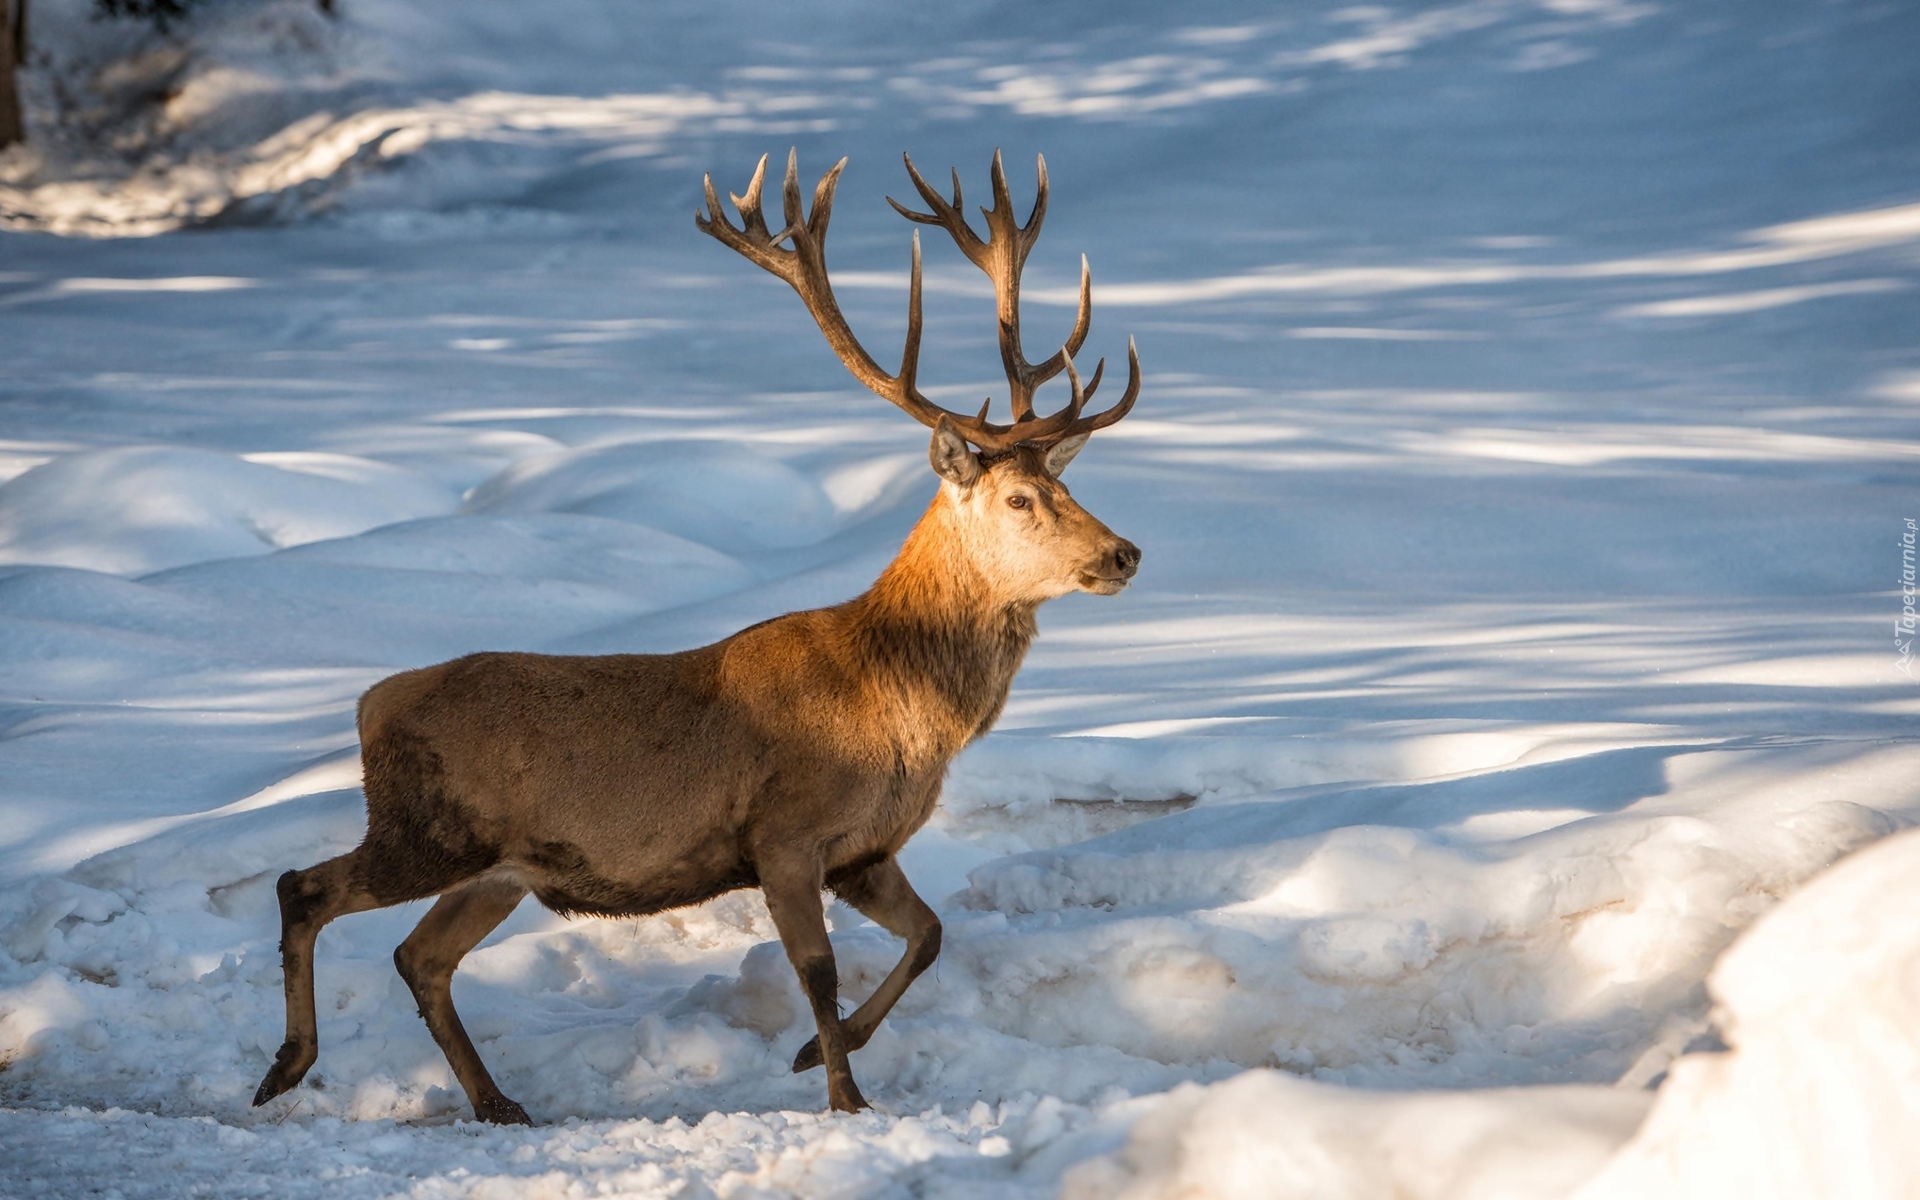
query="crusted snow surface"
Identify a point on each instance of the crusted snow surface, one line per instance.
(1527, 451)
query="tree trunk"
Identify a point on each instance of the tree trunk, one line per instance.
(13, 45)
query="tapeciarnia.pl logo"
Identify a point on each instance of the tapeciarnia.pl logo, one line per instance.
(1904, 626)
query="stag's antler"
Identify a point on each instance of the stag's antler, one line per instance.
(1001, 256)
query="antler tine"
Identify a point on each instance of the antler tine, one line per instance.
(948, 216)
(1078, 400)
(1099, 372)
(748, 206)
(751, 241)
(1124, 405)
(1000, 219)
(1068, 422)
(823, 201)
(790, 191)
(1002, 197)
(1082, 323)
(1031, 230)
(910, 356)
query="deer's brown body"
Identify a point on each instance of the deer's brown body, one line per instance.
(796, 755)
(829, 728)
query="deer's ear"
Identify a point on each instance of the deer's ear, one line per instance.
(953, 460)
(1063, 452)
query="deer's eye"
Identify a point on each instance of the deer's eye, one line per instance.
(1018, 501)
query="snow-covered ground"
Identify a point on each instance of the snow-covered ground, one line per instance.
(1532, 423)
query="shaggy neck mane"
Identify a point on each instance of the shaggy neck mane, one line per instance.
(933, 622)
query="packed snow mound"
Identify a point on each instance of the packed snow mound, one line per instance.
(1265, 1135)
(411, 593)
(1548, 923)
(1816, 1094)
(532, 546)
(397, 596)
(1819, 1091)
(717, 493)
(144, 508)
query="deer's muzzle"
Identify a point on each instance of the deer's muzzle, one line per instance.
(1119, 560)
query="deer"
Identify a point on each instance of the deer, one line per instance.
(796, 756)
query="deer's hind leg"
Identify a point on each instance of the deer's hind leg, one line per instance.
(308, 900)
(427, 960)
(421, 841)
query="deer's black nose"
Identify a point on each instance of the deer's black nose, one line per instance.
(1125, 557)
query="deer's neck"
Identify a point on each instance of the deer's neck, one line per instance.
(940, 634)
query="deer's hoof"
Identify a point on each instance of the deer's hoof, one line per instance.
(498, 1110)
(289, 1067)
(846, 1099)
(808, 1058)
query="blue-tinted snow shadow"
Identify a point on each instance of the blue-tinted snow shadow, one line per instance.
(1592, 784)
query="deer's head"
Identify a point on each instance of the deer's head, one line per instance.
(1001, 486)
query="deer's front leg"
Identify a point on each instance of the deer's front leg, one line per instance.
(881, 893)
(792, 886)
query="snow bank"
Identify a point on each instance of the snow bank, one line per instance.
(1815, 1094)
(1818, 1093)
(1406, 934)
